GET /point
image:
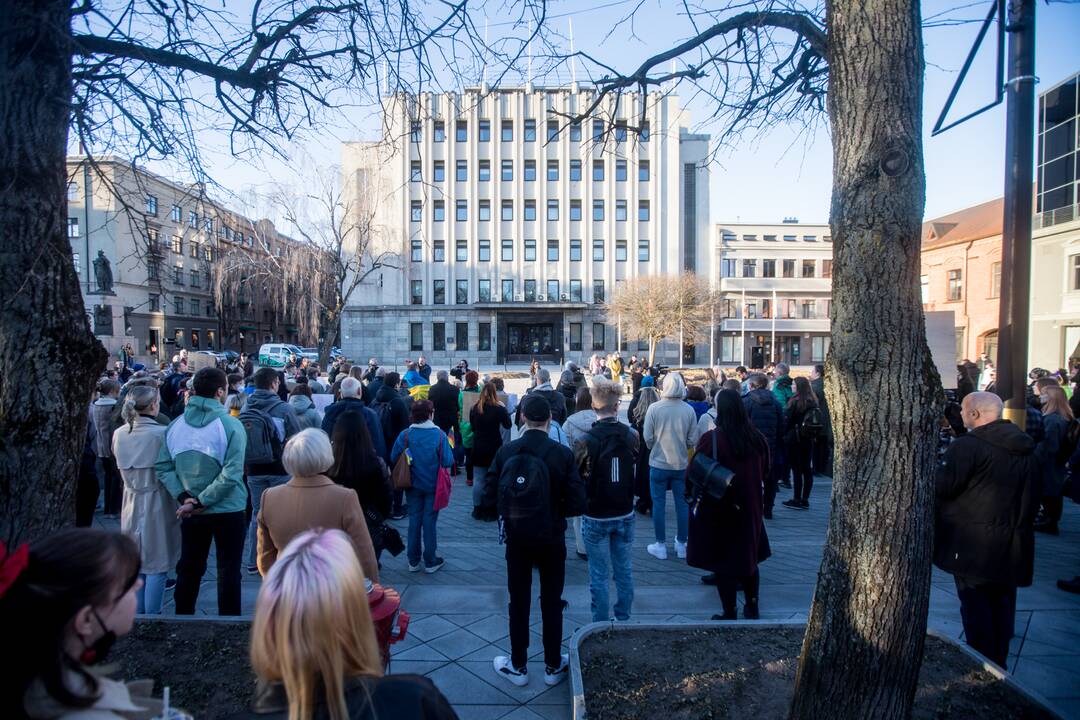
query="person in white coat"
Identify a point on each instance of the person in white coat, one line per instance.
(148, 511)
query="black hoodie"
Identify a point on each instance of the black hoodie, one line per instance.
(987, 490)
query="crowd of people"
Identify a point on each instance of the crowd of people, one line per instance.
(298, 476)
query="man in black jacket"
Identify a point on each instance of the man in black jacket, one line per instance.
(987, 496)
(767, 415)
(545, 551)
(444, 397)
(555, 399)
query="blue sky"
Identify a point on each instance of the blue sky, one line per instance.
(786, 171)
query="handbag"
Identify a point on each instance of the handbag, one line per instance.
(708, 475)
(402, 473)
(443, 484)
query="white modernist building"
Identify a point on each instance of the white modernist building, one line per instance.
(513, 226)
(775, 283)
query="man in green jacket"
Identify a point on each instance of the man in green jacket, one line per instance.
(202, 465)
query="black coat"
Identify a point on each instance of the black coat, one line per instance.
(487, 433)
(444, 397)
(767, 416)
(399, 412)
(402, 697)
(555, 399)
(567, 489)
(987, 489)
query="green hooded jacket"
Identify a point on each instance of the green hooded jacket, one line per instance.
(782, 389)
(203, 455)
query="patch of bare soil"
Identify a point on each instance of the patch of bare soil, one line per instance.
(205, 665)
(741, 672)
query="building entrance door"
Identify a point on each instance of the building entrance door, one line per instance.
(527, 341)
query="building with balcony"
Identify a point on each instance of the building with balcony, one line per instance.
(775, 288)
(512, 226)
(165, 242)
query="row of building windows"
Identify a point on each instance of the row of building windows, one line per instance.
(506, 171)
(507, 292)
(461, 210)
(729, 237)
(954, 290)
(788, 268)
(483, 250)
(782, 309)
(506, 131)
(483, 337)
(193, 306)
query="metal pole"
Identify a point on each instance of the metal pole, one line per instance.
(772, 345)
(742, 337)
(712, 333)
(1016, 228)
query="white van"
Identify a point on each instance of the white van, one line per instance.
(277, 355)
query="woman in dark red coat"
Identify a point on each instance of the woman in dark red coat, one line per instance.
(728, 536)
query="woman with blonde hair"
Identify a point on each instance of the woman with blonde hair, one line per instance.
(148, 510)
(313, 643)
(1057, 417)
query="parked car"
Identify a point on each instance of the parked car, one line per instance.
(312, 354)
(277, 354)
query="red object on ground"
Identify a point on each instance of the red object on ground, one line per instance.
(391, 622)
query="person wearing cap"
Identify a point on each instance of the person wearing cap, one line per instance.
(547, 554)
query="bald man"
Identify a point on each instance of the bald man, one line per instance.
(987, 496)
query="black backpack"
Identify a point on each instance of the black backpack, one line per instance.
(264, 445)
(610, 468)
(524, 501)
(385, 412)
(812, 425)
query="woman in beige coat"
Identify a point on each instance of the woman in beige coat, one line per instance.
(311, 500)
(148, 513)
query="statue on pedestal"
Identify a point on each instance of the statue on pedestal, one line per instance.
(103, 274)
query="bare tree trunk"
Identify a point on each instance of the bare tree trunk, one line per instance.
(864, 641)
(48, 357)
(330, 332)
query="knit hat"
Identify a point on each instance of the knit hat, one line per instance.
(648, 381)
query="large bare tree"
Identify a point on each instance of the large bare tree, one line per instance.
(141, 79)
(760, 64)
(654, 308)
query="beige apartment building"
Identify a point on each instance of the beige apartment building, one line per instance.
(164, 242)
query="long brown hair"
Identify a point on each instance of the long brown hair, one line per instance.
(804, 397)
(66, 571)
(488, 396)
(1055, 401)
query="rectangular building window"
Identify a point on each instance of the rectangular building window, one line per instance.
(789, 268)
(553, 210)
(438, 250)
(461, 250)
(644, 135)
(598, 291)
(598, 170)
(439, 131)
(507, 131)
(553, 170)
(826, 268)
(620, 132)
(484, 173)
(530, 171)
(575, 337)
(73, 192)
(461, 292)
(178, 274)
(598, 336)
(620, 170)
(809, 238)
(575, 170)
(809, 310)
(195, 278)
(731, 349)
(727, 267)
(483, 290)
(73, 227)
(507, 291)
(483, 253)
(598, 249)
(416, 211)
(530, 131)
(819, 348)
(598, 210)
(597, 130)
(193, 219)
(507, 254)
(151, 205)
(575, 132)
(790, 238)
(995, 280)
(530, 291)
(178, 305)
(76, 261)
(620, 211)
(461, 210)
(643, 250)
(415, 130)
(483, 213)
(507, 210)
(416, 336)
(440, 171)
(154, 304)
(176, 214)
(553, 250)
(575, 210)
(439, 214)
(417, 292)
(553, 290)
(416, 250)
(461, 335)
(194, 249)
(461, 171)
(768, 268)
(575, 250)
(529, 212)
(620, 250)
(552, 130)
(643, 171)
(956, 285)
(415, 173)
(507, 173)
(749, 268)
(483, 133)
(153, 270)
(483, 338)
(438, 336)
(194, 306)
(575, 291)
(438, 295)
(461, 131)
(530, 250)
(808, 268)
(643, 211)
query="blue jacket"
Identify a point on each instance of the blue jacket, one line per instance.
(413, 378)
(429, 450)
(766, 415)
(370, 418)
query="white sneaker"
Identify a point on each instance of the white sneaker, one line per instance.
(680, 549)
(504, 668)
(658, 550)
(417, 567)
(554, 676)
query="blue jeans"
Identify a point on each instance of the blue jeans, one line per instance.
(256, 485)
(608, 543)
(150, 596)
(660, 481)
(422, 517)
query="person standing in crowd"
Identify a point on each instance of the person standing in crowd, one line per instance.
(576, 426)
(369, 372)
(606, 453)
(413, 376)
(670, 429)
(1057, 416)
(615, 365)
(313, 643)
(471, 380)
(269, 423)
(823, 448)
(698, 400)
(393, 414)
(636, 412)
(555, 399)
(424, 369)
(311, 500)
(444, 398)
(487, 419)
(149, 511)
(307, 416)
(202, 464)
(429, 450)
(636, 373)
(713, 377)
(101, 416)
(538, 488)
(727, 535)
(767, 416)
(987, 488)
(805, 426)
(782, 388)
(570, 381)
(63, 603)
(357, 467)
(350, 400)
(534, 368)
(316, 385)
